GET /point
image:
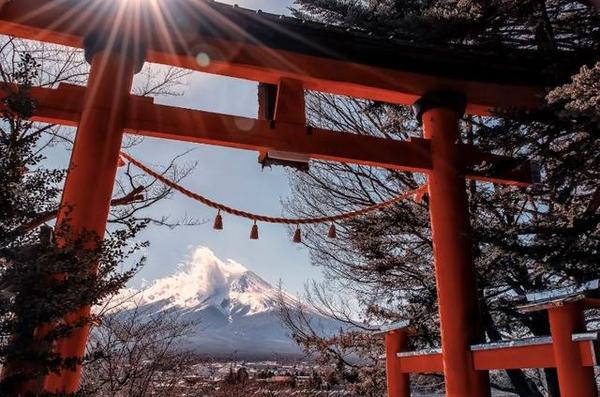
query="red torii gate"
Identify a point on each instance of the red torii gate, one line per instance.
(570, 348)
(120, 35)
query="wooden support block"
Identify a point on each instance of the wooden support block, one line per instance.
(288, 106)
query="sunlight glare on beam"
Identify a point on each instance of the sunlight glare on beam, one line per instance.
(203, 59)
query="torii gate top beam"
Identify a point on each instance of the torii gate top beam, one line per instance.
(263, 47)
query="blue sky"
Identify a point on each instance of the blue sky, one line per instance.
(226, 175)
(230, 176)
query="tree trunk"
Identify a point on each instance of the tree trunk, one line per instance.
(552, 382)
(540, 326)
(524, 386)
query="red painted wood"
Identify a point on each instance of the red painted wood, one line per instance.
(533, 356)
(63, 106)
(430, 363)
(398, 383)
(89, 184)
(290, 105)
(454, 268)
(575, 380)
(67, 24)
(538, 356)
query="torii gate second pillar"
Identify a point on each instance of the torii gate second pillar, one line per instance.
(439, 113)
(574, 379)
(94, 160)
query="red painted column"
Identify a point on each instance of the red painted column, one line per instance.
(574, 379)
(450, 228)
(398, 384)
(94, 160)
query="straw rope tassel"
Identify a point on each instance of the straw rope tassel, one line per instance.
(332, 233)
(218, 225)
(254, 232)
(297, 235)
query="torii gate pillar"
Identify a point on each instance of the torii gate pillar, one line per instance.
(450, 228)
(94, 160)
(398, 383)
(574, 379)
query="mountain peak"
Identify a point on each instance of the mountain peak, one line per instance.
(204, 263)
(236, 311)
(207, 281)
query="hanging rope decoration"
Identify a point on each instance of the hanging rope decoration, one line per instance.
(417, 194)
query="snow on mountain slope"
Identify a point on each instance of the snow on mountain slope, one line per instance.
(208, 281)
(235, 310)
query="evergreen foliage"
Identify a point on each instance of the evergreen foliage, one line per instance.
(525, 239)
(41, 281)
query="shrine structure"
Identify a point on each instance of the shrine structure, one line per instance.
(288, 56)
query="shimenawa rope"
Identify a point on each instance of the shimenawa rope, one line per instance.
(418, 192)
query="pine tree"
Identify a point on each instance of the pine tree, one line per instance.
(32, 289)
(40, 282)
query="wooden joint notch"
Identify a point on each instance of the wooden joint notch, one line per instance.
(283, 103)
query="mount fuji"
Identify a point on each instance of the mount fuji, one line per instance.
(234, 311)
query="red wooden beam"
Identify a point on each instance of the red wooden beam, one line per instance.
(530, 356)
(63, 106)
(421, 362)
(168, 122)
(172, 33)
(505, 356)
(148, 119)
(53, 106)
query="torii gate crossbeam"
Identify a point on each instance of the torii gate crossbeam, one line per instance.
(64, 105)
(262, 47)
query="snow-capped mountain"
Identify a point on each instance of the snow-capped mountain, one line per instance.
(236, 311)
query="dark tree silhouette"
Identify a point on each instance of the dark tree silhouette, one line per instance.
(40, 281)
(524, 238)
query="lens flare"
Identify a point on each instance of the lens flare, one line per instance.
(203, 59)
